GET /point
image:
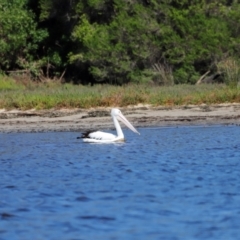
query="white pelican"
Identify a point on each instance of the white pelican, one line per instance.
(102, 137)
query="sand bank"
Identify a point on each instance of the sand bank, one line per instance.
(99, 118)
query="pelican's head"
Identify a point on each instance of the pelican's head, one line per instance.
(116, 113)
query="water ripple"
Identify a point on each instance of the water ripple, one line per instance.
(167, 183)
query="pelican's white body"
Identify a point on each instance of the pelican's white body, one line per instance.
(102, 137)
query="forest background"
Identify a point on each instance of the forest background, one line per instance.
(119, 41)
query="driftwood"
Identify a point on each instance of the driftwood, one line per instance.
(202, 77)
(62, 75)
(214, 78)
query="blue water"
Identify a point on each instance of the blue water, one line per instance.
(168, 183)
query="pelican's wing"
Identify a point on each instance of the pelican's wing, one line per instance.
(97, 136)
(87, 133)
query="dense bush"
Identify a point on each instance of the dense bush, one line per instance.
(119, 41)
(19, 37)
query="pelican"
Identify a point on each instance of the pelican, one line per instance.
(102, 137)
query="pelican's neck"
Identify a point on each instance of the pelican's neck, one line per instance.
(118, 128)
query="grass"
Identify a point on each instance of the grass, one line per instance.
(7, 83)
(15, 95)
(231, 69)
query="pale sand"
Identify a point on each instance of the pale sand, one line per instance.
(139, 116)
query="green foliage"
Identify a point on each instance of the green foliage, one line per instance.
(119, 41)
(19, 37)
(188, 38)
(7, 83)
(120, 51)
(196, 41)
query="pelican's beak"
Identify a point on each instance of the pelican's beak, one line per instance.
(127, 123)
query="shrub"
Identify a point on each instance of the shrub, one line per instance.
(230, 68)
(19, 37)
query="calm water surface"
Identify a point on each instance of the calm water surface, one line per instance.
(167, 183)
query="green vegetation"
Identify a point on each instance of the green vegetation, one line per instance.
(19, 36)
(56, 95)
(231, 69)
(118, 41)
(7, 83)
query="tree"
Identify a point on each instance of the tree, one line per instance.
(141, 39)
(19, 36)
(119, 41)
(198, 40)
(118, 48)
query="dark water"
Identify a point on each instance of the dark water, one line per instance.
(168, 183)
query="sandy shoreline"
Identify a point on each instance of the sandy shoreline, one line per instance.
(139, 116)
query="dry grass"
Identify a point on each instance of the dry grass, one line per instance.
(231, 70)
(55, 95)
